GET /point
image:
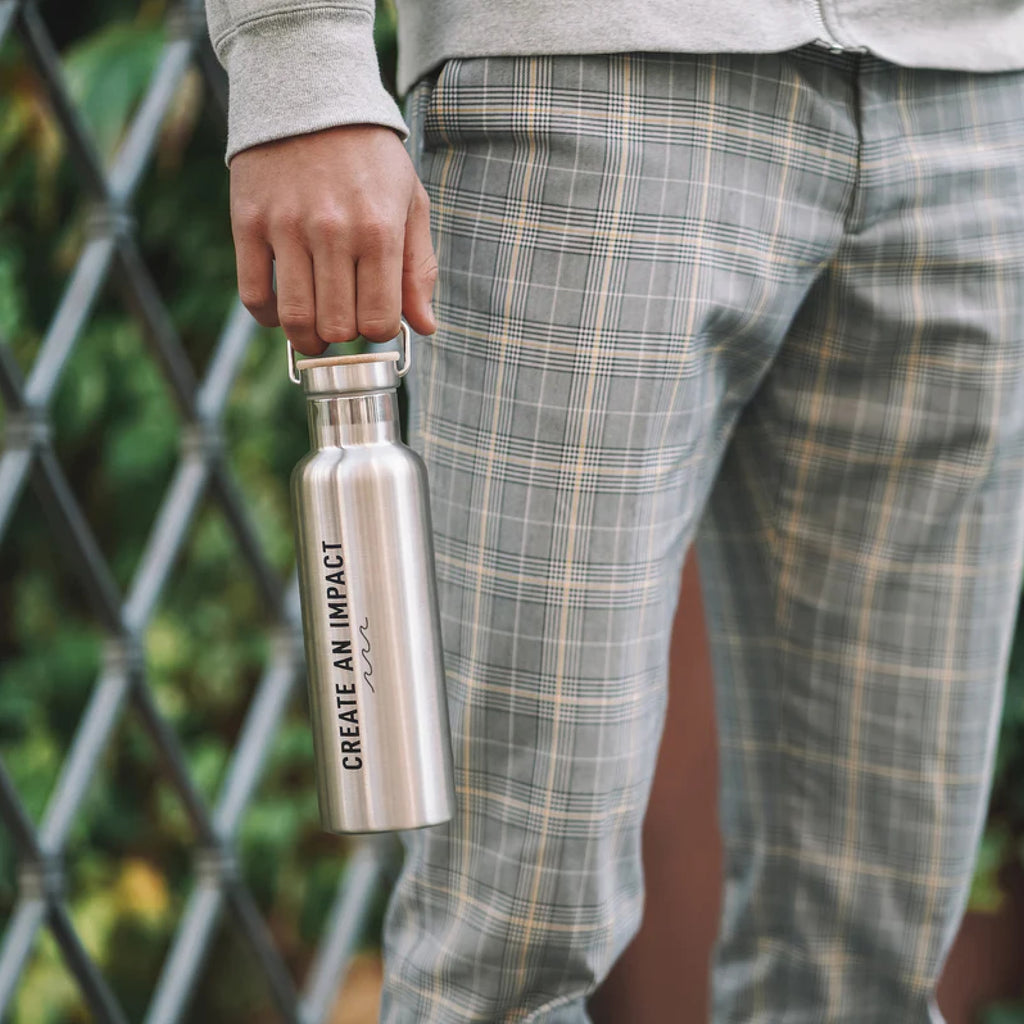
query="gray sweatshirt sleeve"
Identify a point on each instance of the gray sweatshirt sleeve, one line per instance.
(297, 66)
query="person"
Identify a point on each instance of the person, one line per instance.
(745, 273)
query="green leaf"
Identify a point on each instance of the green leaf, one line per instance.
(107, 74)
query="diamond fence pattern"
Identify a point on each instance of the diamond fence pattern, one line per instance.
(27, 458)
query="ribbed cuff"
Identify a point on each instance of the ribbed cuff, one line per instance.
(301, 71)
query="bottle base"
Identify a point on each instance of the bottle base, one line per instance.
(338, 831)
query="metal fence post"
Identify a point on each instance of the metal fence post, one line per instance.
(27, 458)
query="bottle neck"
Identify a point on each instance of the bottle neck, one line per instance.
(345, 421)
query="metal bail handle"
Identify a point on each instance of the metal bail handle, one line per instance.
(403, 362)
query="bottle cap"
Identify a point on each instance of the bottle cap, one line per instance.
(369, 371)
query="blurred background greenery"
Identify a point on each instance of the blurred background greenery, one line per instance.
(117, 435)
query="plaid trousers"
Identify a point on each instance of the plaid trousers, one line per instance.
(773, 303)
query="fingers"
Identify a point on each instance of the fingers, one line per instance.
(296, 300)
(419, 267)
(351, 241)
(334, 276)
(379, 280)
(323, 298)
(253, 260)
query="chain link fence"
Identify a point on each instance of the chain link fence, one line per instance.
(111, 258)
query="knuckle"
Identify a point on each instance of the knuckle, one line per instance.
(248, 219)
(327, 225)
(425, 270)
(254, 299)
(297, 320)
(285, 221)
(376, 327)
(334, 330)
(378, 234)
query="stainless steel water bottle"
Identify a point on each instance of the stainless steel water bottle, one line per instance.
(369, 603)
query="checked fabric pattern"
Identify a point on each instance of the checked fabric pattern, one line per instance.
(779, 298)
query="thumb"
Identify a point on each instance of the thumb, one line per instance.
(419, 267)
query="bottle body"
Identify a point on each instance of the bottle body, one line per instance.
(370, 622)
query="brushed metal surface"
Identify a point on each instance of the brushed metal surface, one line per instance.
(369, 607)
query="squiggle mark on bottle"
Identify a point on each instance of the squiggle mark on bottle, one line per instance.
(365, 652)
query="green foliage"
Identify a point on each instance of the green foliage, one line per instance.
(987, 893)
(1008, 795)
(385, 38)
(1003, 1014)
(117, 435)
(108, 71)
(1002, 846)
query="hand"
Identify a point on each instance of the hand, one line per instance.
(347, 222)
